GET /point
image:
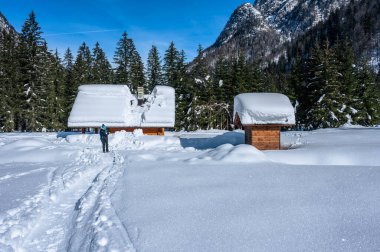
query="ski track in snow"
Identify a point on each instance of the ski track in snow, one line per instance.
(73, 211)
(18, 175)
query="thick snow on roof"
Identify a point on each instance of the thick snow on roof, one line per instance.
(115, 106)
(161, 107)
(264, 108)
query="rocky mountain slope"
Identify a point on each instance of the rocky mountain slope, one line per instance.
(259, 30)
(294, 17)
(4, 24)
(247, 32)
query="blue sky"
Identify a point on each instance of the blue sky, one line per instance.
(69, 23)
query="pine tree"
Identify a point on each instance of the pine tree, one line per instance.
(122, 60)
(70, 91)
(83, 66)
(46, 117)
(101, 69)
(58, 117)
(240, 75)
(182, 92)
(347, 78)
(137, 71)
(201, 114)
(171, 66)
(31, 63)
(369, 111)
(299, 91)
(154, 72)
(324, 89)
(222, 107)
(10, 88)
(129, 67)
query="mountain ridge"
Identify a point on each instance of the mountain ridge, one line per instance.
(5, 25)
(260, 30)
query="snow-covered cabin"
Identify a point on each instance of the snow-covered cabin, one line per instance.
(262, 115)
(116, 107)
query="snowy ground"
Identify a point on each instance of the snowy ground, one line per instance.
(201, 191)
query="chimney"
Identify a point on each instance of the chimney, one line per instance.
(140, 95)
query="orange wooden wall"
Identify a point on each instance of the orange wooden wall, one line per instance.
(263, 137)
(146, 131)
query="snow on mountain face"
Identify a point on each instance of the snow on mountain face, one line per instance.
(246, 32)
(260, 29)
(293, 17)
(4, 24)
(243, 18)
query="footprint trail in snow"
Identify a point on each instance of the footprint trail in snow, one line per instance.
(72, 212)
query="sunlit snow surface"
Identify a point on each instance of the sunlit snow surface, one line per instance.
(201, 191)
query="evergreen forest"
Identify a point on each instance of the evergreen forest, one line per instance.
(327, 82)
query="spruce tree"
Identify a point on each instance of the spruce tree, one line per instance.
(369, 113)
(201, 109)
(347, 79)
(324, 89)
(255, 82)
(101, 68)
(298, 90)
(69, 82)
(137, 71)
(171, 66)
(83, 66)
(10, 88)
(154, 71)
(240, 75)
(58, 118)
(122, 59)
(47, 118)
(31, 63)
(182, 92)
(221, 104)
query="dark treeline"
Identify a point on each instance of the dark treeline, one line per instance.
(329, 85)
(330, 70)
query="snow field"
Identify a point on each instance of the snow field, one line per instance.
(203, 200)
(229, 153)
(42, 221)
(199, 191)
(96, 226)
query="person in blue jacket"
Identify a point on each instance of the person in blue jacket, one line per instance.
(104, 137)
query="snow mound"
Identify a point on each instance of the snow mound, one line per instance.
(228, 153)
(26, 144)
(264, 108)
(36, 150)
(343, 147)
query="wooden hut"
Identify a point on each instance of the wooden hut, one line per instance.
(262, 115)
(118, 109)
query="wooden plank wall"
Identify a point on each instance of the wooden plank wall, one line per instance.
(263, 137)
(146, 131)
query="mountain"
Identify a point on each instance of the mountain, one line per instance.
(5, 25)
(293, 17)
(247, 31)
(260, 30)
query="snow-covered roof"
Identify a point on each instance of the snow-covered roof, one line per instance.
(115, 106)
(264, 108)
